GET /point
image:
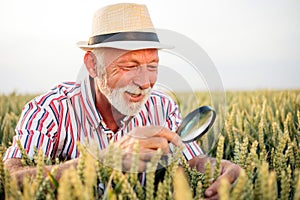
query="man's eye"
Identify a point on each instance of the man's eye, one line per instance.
(129, 68)
(152, 67)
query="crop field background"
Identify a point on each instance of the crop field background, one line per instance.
(261, 133)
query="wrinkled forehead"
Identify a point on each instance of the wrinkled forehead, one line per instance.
(111, 55)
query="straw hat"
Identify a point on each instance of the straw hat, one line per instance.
(123, 26)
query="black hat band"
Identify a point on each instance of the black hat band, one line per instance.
(124, 36)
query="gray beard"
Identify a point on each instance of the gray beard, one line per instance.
(116, 98)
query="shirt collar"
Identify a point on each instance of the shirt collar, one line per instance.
(89, 103)
(88, 99)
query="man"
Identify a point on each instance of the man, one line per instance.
(114, 102)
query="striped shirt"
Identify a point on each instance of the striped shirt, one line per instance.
(55, 121)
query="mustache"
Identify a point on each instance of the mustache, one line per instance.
(133, 89)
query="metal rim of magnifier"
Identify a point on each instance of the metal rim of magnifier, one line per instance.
(190, 116)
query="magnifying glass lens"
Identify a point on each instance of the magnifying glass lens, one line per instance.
(196, 124)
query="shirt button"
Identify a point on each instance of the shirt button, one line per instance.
(109, 136)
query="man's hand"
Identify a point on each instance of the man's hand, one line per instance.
(19, 171)
(150, 139)
(229, 170)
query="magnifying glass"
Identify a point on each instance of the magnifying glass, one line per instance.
(196, 124)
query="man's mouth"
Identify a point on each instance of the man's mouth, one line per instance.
(135, 97)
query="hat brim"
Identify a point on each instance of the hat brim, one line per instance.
(125, 45)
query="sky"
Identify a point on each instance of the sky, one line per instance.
(252, 44)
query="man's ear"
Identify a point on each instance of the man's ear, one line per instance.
(90, 61)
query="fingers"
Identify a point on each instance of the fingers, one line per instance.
(127, 164)
(144, 157)
(157, 131)
(152, 143)
(156, 143)
(150, 139)
(229, 171)
(212, 191)
(170, 136)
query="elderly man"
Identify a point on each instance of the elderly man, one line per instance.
(114, 102)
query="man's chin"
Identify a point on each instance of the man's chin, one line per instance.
(131, 108)
(126, 107)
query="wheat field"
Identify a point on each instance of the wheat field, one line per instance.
(260, 132)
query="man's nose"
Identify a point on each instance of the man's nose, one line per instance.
(142, 78)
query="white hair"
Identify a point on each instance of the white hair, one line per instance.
(99, 54)
(101, 78)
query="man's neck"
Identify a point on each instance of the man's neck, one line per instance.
(110, 115)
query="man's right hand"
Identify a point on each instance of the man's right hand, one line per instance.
(150, 139)
(19, 171)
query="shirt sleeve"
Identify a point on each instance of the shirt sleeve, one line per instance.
(191, 149)
(37, 127)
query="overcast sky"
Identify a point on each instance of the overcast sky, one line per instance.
(253, 44)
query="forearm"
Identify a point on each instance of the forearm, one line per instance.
(18, 171)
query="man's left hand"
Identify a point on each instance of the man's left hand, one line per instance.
(229, 171)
